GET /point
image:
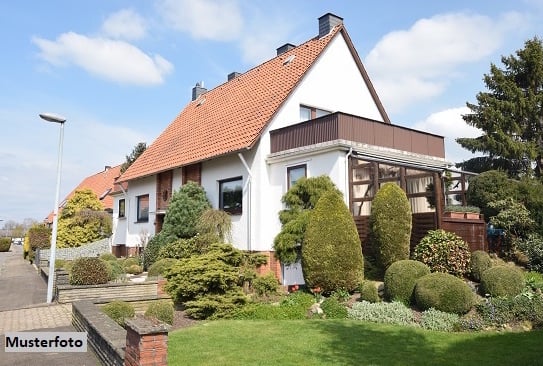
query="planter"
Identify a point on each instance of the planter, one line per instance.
(454, 214)
(472, 215)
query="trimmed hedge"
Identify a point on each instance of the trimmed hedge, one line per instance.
(400, 279)
(502, 281)
(444, 292)
(480, 262)
(5, 244)
(368, 292)
(89, 271)
(390, 225)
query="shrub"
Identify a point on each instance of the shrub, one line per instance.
(534, 280)
(39, 237)
(487, 187)
(331, 253)
(119, 311)
(114, 270)
(293, 307)
(390, 225)
(215, 222)
(108, 257)
(443, 251)
(150, 253)
(128, 262)
(444, 292)
(333, 309)
(183, 248)
(502, 281)
(368, 291)
(89, 271)
(400, 279)
(433, 319)
(162, 310)
(532, 247)
(496, 311)
(160, 267)
(480, 261)
(382, 312)
(266, 285)
(59, 263)
(5, 244)
(134, 269)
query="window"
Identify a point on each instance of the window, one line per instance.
(143, 208)
(307, 113)
(122, 208)
(294, 173)
(230, 195)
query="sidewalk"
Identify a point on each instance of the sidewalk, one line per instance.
(23, 307)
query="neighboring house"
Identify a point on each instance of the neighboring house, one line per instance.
(309, 111)
(100, 183)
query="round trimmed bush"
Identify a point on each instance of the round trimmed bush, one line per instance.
(108, 257)
(502, 281)
(480, 262)
(444, 292)
(390, 225)
(130, 262)
(89, 271)
(444, 251)
(368, 291)
(119, 311)
(162, 310)
(160, 267)
(400, 279)
(134, 269)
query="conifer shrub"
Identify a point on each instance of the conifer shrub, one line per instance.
(502, 281)
(445, 252)
(400, 279)
(444, 292)
(5, 244)
(368, 291)
(114, 270)
(184, 248)
(162, 310)
(331, 253)
(480, 262)
(89, 271)
(160, 267)
(390, 225)
(119, 311)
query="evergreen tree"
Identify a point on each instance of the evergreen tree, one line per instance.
(510, 114)
(83, 220)
(136, 152)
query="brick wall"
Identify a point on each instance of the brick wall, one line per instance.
(273, 265)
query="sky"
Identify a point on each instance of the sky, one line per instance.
(120, 71)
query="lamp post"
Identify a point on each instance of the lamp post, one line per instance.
(49, 117)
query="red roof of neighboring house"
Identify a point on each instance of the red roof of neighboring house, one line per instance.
(100, 183)
(232, 116)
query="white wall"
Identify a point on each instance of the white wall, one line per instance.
(135, 229)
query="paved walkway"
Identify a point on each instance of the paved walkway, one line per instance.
(23, 307)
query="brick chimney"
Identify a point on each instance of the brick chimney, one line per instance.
(284, 48)
(198, 90)
(327, 22)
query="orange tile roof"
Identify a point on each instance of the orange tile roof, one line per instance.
(232, 116)
(100, 183)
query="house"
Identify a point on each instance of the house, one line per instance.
(311, 110)
(100, 183)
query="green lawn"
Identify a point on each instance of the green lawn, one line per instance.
(345, 342)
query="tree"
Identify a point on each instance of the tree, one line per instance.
(510, 114)
(83, 220)
(299, 200)
(332, 253)
(136, 152)
(490, 186)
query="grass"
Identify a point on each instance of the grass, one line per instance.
(345, 342)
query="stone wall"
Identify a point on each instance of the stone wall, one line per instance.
(109, 291)
(106, 338)
(93, 249)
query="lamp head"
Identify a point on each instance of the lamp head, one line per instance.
(51, 117)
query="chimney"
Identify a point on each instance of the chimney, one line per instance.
(327, 22)
(107, 167)
(284, 48)
(233, 75)
(198, 90)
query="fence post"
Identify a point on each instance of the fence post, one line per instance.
(146, 342)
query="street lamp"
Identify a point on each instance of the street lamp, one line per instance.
(49, 117)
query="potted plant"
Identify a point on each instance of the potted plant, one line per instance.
(462, 212)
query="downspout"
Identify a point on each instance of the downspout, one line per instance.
(247, 189)
(347, 174)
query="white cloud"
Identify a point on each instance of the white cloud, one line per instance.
(218, 20)
(111, 59)
(125, 24)
(417, 64)
(449, 123)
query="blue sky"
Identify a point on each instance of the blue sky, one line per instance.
(121, 70)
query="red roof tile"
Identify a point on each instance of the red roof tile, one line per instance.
(232, 116)
(100, 183)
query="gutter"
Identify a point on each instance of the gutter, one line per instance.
(247, 188)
